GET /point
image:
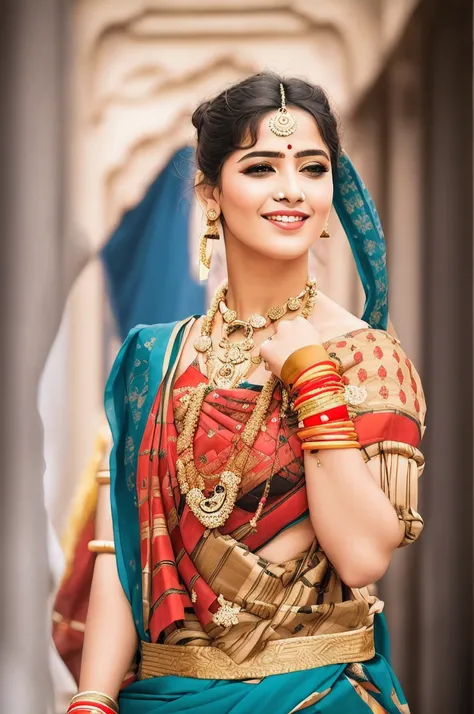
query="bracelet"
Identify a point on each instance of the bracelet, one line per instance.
(309, 446)
(317, 371)
(299, 360)
(101, 546)
(329, 416)
(93, 701)
(103, 477)
(314, 407)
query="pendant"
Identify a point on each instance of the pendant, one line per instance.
(213, 510)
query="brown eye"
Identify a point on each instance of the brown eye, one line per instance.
(315, 169)
(259, 169)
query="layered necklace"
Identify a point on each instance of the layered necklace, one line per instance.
(229, 368)
(213, 506)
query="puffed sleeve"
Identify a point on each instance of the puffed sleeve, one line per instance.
(386, 402)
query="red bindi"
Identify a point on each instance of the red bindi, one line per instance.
(290, 146)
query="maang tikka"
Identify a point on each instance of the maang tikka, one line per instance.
(211, 233)
(283, 123)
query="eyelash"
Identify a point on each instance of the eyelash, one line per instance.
(257, 169)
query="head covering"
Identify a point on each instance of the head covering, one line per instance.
(360, 220)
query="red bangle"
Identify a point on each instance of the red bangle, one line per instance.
(97, 706)
(310, 395)
(335, 414)
(316, 384)
(326, 363)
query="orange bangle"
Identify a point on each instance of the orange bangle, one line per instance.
(300, 360)
(309, 446)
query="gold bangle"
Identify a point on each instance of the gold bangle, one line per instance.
(316, 408)
(103, 476)
(320, 403)
(98, 697)
(347, 428)
(300, 360)
(308, 445)
(101, 546)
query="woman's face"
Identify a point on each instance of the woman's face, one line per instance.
(276, 197)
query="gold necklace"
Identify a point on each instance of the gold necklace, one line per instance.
(214, 509)
(229, 369)
(258, 322)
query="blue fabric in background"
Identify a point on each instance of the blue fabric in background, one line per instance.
(146, 259)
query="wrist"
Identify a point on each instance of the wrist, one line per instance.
(92, 702)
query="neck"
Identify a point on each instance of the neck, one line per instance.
(257, 283)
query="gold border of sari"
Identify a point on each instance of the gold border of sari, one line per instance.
(278, 657)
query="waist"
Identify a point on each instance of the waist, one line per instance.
(278, 657)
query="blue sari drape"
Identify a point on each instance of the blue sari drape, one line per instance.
(147, 258)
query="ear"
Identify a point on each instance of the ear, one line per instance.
(207, 195)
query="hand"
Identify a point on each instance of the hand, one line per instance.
(290, 335)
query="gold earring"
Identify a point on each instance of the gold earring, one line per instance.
(211, 233)
(325, 232)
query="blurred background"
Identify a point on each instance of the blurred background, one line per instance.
(100, 232)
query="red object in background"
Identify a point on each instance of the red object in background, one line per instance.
(72, 602)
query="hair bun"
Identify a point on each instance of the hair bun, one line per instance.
(199, 114)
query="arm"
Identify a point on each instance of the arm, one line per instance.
(362, 503)
(353, 519)
(110, 639)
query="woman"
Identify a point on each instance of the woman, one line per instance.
(265, 457)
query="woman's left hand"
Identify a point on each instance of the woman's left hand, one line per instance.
(290, 336)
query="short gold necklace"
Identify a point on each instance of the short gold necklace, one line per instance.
(258, 322)
(213, 509)
(228, 370)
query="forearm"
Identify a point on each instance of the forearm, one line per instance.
(110, 639)
(354, 521)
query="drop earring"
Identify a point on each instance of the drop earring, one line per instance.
(325, 232)
(211, 233)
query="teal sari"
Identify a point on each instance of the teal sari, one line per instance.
(335, 689)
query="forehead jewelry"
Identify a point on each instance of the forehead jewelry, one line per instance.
(283, 123)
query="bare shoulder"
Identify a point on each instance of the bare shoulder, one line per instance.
(333, 320)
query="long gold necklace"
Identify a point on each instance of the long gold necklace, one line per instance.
(214, 508)
(228, 369)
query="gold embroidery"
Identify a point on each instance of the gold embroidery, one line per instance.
(278, 657)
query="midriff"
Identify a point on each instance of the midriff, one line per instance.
(288, 544)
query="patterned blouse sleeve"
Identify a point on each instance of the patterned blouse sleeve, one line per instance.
(387, 404)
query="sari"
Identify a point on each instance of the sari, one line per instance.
(298, 639)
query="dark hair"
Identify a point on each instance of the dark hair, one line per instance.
(224, 122)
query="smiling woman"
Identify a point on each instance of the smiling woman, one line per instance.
(265, 457)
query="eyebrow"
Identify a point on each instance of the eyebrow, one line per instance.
(280, 155)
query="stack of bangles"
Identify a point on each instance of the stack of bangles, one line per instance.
(92, 703)
(317, 395)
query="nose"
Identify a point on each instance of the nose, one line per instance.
(291, 191)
